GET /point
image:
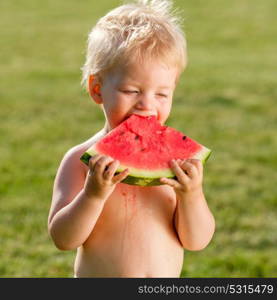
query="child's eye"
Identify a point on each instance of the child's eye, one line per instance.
(162, 95)
(130, 92)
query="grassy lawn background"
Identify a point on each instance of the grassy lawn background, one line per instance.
(226, 100)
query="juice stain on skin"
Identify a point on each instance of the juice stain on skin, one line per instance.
(129, 195)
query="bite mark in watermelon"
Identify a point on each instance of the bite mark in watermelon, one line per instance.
(146, 147)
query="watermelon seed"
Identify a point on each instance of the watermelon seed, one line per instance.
(184, 137)
(136, 137)
(143, 149)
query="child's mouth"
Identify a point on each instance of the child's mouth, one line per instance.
(137, 114)
(142, 115)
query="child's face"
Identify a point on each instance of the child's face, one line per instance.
(144, 89)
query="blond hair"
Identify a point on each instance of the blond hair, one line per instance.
(135, 31)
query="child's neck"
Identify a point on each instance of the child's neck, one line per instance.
(106, 128)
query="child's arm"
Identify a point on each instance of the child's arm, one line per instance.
(194, 222)
(78, 201)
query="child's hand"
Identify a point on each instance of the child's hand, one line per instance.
(189, 175)
(101, 179)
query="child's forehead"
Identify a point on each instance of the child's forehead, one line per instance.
(146, 72)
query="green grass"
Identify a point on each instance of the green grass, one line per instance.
(230, 83)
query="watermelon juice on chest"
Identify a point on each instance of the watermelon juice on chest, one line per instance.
(146, 147)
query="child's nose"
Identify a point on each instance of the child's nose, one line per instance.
(145, 102)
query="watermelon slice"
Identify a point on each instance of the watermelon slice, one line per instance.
(145, 147)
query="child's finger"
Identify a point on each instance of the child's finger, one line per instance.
(92, 162)
(189, 168)
(100, 166)
(171, 182)
(197, 163)
(110, 169)
(121, 176)
(181, 176)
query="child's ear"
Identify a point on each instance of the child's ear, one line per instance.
(94, 87)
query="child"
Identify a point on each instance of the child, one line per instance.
(135, 56)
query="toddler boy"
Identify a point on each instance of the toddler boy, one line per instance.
(135, 56)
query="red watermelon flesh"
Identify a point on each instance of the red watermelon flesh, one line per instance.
(146, 147)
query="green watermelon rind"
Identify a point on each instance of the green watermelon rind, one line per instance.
(146, 177)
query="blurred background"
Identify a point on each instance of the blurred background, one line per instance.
(226, 100)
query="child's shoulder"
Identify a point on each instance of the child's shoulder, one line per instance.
(73, 155)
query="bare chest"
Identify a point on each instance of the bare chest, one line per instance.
(141, 209)
(141, 203)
